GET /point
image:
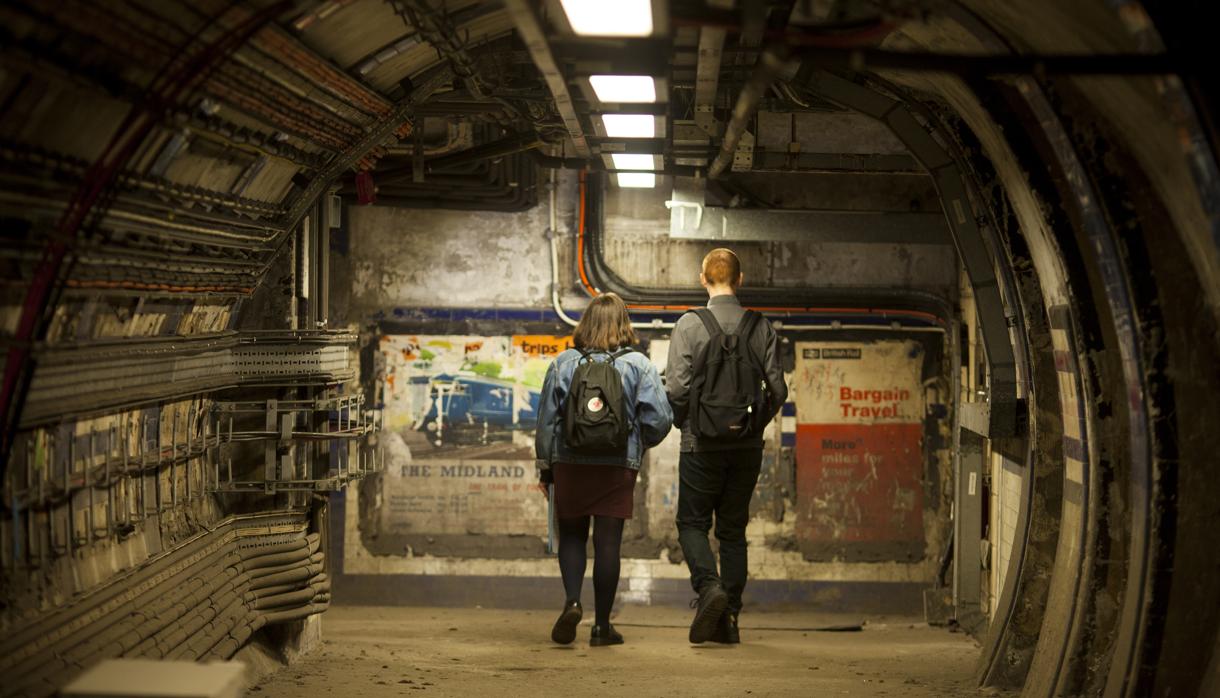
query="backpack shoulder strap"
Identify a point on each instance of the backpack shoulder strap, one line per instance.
(621, 353)
(749, 320)
(709, 321)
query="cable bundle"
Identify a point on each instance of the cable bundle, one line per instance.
(204, 600)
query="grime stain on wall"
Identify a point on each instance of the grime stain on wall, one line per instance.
(458, 494)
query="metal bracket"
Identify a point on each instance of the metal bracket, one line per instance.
(315, 445)
(743, 157)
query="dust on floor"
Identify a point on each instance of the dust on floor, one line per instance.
(380, 651)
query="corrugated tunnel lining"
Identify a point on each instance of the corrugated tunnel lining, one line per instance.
(203, 599)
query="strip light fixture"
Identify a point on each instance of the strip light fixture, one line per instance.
(630, 125)
(609, 17)
(637, 180)
(632, 161)
(632, 89)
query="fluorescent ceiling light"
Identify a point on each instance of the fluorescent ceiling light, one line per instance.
(630, 125)
(637, 180)
(609, 17)
(624, 88)
(632, 161)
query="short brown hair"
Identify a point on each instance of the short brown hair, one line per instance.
(721, 267)
(604, 325)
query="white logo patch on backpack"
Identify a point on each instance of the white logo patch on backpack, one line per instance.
(595, 404)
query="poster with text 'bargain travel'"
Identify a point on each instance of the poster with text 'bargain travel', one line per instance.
(859, 455)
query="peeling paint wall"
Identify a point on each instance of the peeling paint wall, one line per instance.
(457, 499)
(639, 249)
(435, 258)
(460, 415)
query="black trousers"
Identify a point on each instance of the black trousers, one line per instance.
(717, 484)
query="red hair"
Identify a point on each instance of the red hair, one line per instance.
(722, 268)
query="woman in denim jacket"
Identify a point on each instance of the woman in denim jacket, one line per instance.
(597, 487)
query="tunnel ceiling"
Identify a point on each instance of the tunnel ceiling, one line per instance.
(306, 86)
(456, 104)
(295, 94)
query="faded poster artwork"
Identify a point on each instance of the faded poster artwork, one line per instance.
(859, 455)
(460, 414)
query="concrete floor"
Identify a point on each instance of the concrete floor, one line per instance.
(379, 651)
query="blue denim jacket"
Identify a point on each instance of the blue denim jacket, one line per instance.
(648, 410)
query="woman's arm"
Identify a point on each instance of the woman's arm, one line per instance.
(549, 403)
(652, 407)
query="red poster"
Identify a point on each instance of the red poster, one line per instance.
(859, 452)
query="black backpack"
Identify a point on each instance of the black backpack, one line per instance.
(595, 414)
(728, 390)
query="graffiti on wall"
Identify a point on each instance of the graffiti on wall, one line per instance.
(460, 412)
(859, 408)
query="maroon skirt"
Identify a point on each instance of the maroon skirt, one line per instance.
(593, 490)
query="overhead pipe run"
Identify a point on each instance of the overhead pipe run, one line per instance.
(691, 219)
(982, 65)
(509, 185)
(509, 145)
(532, 33)
(377, 134)
(658, 324)
(773, 64)
(597, 165)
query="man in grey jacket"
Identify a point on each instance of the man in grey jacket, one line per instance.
(717, 478)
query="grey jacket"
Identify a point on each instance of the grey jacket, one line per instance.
(688, 341)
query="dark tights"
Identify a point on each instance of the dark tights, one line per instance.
(607, 541)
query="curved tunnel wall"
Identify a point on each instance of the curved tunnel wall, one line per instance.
(1119, 488)
(1109, 183)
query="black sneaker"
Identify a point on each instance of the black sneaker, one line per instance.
(726, 632)
(708, 609)
(564, 631)
(603, 637)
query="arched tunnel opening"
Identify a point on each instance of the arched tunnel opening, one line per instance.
(286, 284)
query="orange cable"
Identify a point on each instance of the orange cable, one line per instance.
(580, 241)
